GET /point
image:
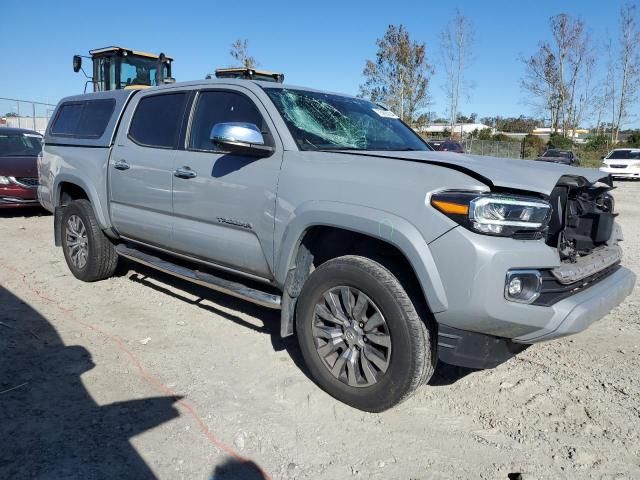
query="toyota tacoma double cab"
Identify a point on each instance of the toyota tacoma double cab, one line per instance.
(382, 255)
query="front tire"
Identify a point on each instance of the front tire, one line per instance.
(361, 336)
(90, 255)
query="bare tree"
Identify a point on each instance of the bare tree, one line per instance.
(541, 81)
(628, 66)
(239, 51)
(559, 74)
(456, 45)
(399, 77)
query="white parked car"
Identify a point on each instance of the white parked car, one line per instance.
(622, 163)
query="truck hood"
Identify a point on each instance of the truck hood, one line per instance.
(526, 175)
(18, 166)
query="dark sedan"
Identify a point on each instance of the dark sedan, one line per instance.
(446, 146)
(19, 151)
(566, 157)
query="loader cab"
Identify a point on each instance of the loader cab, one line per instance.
(116, 68)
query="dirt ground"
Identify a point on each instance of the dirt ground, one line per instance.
(143, 376)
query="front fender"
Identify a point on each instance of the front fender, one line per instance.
(368, 221)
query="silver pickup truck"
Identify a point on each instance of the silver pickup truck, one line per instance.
(382, 255)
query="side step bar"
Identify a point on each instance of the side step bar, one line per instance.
(228, 287)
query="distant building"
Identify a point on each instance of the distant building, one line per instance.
(579, 132)
(460, 128)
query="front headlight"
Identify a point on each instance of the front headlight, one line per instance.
(4, 180)
(495, 214)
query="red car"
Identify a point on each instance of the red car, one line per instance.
(19, 151)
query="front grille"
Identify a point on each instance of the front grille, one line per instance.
(553, 291)
(30, 182)
(618, 166)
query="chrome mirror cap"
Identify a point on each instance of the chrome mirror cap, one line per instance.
(236, 133)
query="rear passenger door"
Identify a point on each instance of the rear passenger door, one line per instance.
(224, 212)
(141, 167)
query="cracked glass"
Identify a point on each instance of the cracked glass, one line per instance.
(324, 121)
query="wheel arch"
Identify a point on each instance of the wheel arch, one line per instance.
(300, 238)
(69, 187)
(76, 187)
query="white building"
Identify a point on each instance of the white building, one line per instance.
(460, 128)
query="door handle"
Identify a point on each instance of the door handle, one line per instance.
(121, 165)
(185, 172)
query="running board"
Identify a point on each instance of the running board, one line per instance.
(218, 284)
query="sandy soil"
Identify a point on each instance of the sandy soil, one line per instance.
(142, 376)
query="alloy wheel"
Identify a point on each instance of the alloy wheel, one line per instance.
(351, 336)
(77, 241)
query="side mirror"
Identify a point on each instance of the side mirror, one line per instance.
(602, 157)
(240, 137)
(77, 63)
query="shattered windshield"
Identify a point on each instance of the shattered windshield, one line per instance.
(322, 121)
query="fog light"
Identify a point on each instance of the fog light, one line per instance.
(523, 286)
(515, 287)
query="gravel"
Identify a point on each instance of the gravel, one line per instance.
(147, 376)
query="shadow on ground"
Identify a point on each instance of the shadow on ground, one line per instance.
(50, 427)
(444, 374)
(270, 318)
(232, 469)
(23, 212)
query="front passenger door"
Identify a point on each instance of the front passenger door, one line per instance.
(224, 208)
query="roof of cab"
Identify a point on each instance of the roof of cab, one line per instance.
(114, 48)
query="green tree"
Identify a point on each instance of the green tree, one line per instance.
(534, 146)
(633, 140)
(399, 77)
(484, 134)
(598, 142)
(557, 140)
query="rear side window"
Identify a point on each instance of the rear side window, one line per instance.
(156, 122)
(67, 120)
(220, 107)
(87, 119)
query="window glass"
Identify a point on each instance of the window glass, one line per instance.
(219, 107)
(323, 121)
(157, 119)
(95, 117)
(67, 120)
(139, 71)
(625, 155)
(87, 119)
(20, 144)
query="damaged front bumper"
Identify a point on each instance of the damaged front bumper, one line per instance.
(472, 269)
(575, 313)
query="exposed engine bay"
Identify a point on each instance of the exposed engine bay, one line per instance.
(583, 218)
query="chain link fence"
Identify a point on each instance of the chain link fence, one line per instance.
(17, 113)
(492, 148)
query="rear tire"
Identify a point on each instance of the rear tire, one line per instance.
(90, 255)
(361, 336)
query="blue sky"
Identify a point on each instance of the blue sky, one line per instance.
(321, 44)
